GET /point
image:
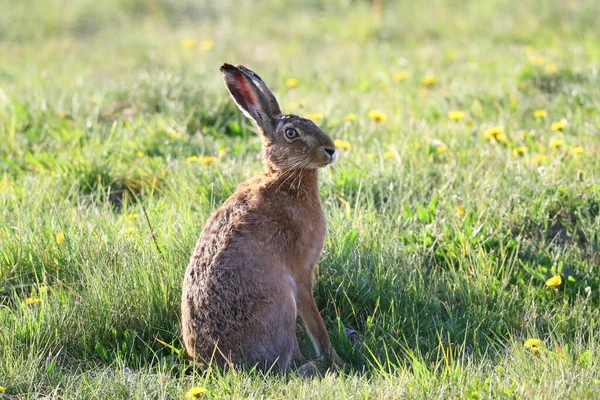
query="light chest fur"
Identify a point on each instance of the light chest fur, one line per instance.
(292, 221)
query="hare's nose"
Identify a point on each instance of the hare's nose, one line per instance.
(329, 151)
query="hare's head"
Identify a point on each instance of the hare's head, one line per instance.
(289, 141)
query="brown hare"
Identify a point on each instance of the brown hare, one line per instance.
(252, 269)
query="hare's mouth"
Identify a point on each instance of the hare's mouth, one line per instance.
(330, 160)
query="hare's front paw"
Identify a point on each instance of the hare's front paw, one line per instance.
(308, 370)
(336, 360)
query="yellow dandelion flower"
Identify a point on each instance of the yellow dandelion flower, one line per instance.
(128, 232)
(556, 143)
(195, 393)
(493, 132)
(302, 102)
(206, 45)
(554, 282)
(551, 68)
(139, 154)
(580, 173)
(456, 115)
(538, 159)
(33, 300)
(174, 134)
(535, 345)
(389, 154)
(540, 113)
(132, 217)
(401, 76)
(291, 83)
(369, 155)
(576, 150)
(350, 117)
(342, 144)
(205, 160)
(501, 137)
(441, 149)
(377, 116)
(316, 116)
(60, 237)
(2, 389)
(537, 60)
(430, 80)
(189, 43)
(559, 125)
(519, 151)
(460, 210)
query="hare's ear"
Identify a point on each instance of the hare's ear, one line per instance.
(273, 105)
(248, 97)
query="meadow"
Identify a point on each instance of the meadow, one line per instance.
(463, 213)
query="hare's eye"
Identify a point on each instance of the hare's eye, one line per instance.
(291, 133)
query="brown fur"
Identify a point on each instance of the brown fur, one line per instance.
(252, 268)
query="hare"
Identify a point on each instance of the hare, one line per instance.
(252, 269)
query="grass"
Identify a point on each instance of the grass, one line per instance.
(440, 241)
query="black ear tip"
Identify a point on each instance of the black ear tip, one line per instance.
(227, 67)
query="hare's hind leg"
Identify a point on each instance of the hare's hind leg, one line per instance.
(274, 344)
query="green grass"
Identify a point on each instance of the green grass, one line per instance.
(440, 241)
